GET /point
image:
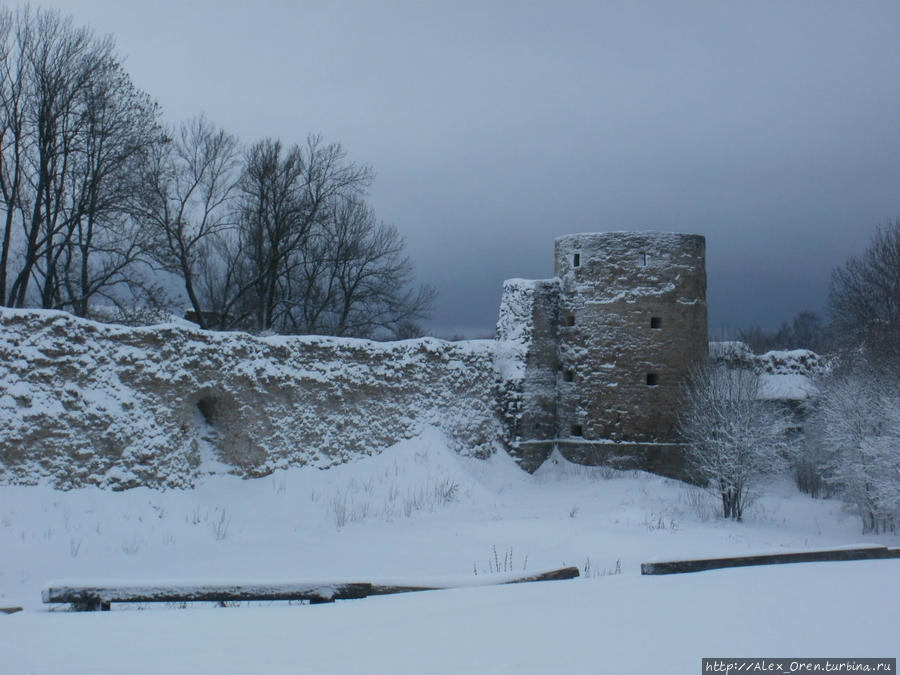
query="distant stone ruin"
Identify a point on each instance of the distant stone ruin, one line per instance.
(590, 362)
(612, 338)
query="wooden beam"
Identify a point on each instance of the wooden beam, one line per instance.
(552, 575)
(10, 610)
(701, 565)
(92, 597)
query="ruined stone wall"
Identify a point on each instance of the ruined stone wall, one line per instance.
(590, 362)
(736, 354)
(528, 323)
(87, 403)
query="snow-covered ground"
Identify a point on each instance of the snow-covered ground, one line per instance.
(420, 511)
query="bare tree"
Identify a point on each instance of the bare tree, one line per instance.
(186, 202)
(73, 127)
(96, 198)
(808, 331)
(733, 436)
(864, 298)
(312, 256)
(14, 137)
(59, 60)
(358, 281)
(286, 197)
(103, 239)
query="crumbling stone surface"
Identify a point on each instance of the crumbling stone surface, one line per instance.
(86, 403)
(638, 305)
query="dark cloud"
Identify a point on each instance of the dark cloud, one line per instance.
(494, 127)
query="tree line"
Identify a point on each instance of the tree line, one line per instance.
(846, 440)
(807, 330)
(863, 296)
(102, 204)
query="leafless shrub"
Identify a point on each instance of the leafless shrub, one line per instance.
(220, 525)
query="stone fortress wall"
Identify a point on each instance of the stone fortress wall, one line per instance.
(84, 403)
(589, 362)
(615, 334)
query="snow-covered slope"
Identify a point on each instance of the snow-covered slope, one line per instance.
(417, 511)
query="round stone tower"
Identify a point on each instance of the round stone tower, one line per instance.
(632, 322)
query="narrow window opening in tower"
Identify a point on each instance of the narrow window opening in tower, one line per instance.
(576, 430)
(644, 259)
(570, 320)
(655, 322)
(652, 379)
(576, 260)
(568, 376)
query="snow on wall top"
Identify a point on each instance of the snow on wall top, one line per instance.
(624, 236)
(792, 362)
(784, 375)
(730, 349)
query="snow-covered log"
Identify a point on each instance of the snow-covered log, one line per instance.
(99, 595)
(856, 553)
(93, 595)
(387, 588)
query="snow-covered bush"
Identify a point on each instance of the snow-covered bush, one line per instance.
(854, 438)
(734, 437)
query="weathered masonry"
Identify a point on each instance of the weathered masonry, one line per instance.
(609, 343)
(589, 362)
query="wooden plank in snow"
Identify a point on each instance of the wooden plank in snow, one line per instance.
(94, 596)
(552, 575)
(701, 565)
(10, 610)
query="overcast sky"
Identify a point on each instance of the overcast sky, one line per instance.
(771, 128)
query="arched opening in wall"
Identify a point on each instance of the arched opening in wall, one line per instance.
(570, 320)
(652, 379)
(568, 376)
(655, 322)
(576, 260)
(207, 407)
(207, 418)
(576, 430)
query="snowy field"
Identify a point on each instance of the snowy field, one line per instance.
(419, 511)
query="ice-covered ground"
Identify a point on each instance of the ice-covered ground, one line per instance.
(419, 511)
